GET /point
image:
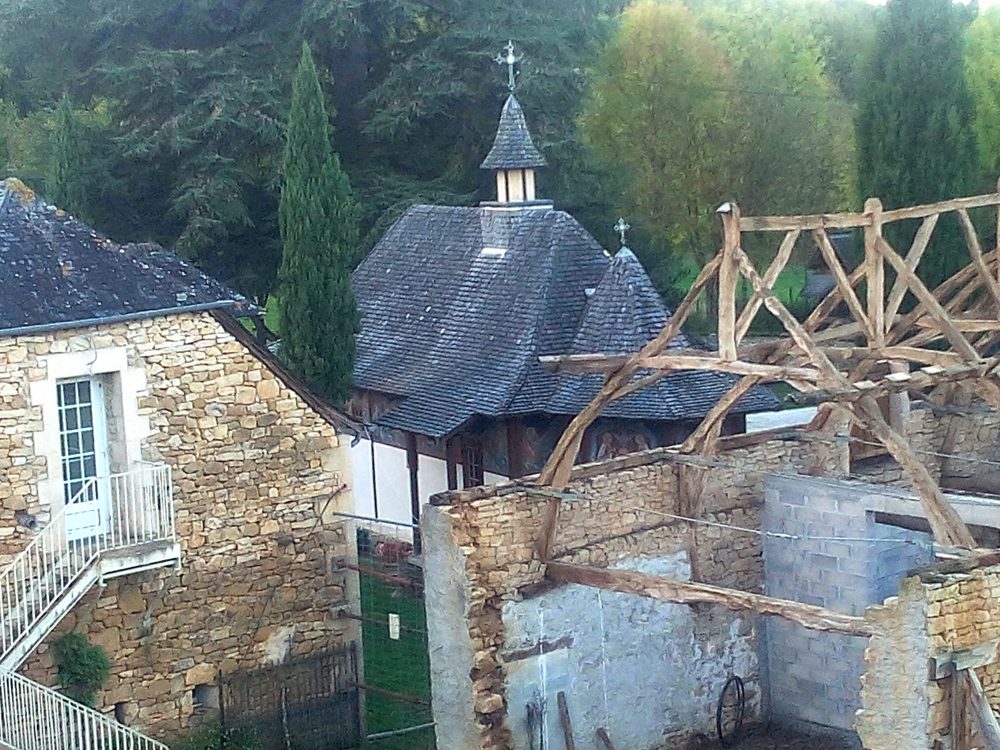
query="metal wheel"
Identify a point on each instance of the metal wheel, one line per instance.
(729, 712)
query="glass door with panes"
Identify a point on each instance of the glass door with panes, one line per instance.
(83, 438)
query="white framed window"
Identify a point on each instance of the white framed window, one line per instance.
(83, 437)
(91, 428)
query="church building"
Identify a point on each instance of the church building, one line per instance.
(458, 304)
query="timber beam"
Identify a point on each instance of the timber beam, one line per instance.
(684, 592)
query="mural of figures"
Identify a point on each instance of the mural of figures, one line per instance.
(618, 440)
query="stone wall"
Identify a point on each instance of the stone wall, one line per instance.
(485, 586)
(256, 474)
(489, 595)
(933, 613)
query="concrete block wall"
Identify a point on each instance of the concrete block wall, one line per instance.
(836, 556)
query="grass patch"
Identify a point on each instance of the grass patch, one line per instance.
(400, 666)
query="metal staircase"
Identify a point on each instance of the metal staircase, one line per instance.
(49, 578)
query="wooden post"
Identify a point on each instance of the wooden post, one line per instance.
(982, 714)
(453, 458)
(997, 245)
(875, 271)
(413, 466)
(728, 278)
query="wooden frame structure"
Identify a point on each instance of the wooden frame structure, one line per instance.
(858, 344)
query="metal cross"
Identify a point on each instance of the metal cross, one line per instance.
(621, 227)
(510, 60)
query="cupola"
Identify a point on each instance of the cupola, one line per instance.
(513, 157)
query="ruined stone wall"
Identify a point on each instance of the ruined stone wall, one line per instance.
(620, 513)
(256, 476)
(934, 613)
(620, 516)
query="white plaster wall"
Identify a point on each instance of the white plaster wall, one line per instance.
(432, 477)
(773, 420)
(637, 667)
(393, 482)
(393, 479)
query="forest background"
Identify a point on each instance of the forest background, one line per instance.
(164, 120)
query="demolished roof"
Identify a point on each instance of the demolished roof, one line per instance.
(58, 272)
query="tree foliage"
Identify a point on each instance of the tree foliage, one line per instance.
(695, 110)
(318, 221)
(915, 120)
(982, 72)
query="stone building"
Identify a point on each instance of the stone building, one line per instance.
(167, 489)
(457, 306)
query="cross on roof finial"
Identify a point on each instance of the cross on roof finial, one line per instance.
(510, 60)
(621, 227)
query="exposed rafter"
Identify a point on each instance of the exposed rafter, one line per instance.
(867, 350)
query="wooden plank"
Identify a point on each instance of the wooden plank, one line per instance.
(805, 222)
(718, 412)
(983, 717)
(794, 328)
(728, 278)
(602, 735)
(967, 326)
(875, 272)
(948, 527)
(577, 363)
(889, 353)
(913, 257)
(781, 259)
(950, 661)
(559, 466)
(919, 212)
(550, 520)
(976, 253)
(930, 303)
(684, 592)
(840, 277)
(565, 722)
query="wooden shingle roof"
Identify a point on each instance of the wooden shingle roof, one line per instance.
(457, 304)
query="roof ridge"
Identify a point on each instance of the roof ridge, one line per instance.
(563, 220)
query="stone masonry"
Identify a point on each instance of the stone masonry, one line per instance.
(933, 613)
(482, 564)
(257, 474)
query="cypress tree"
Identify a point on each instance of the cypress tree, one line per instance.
(915, 130)
(66, 182)
(318, 222)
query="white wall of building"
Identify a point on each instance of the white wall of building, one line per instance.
(391, 478)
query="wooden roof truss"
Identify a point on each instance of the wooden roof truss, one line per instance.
(946, 335)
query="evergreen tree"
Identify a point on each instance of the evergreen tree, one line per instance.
(317, 216)
(916, 141)
(65, 188)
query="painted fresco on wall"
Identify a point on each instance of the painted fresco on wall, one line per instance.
(614, 440)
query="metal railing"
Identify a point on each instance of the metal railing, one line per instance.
(133, 508)
(33, 717)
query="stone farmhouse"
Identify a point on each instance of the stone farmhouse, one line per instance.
(166, 487)
(457, 306)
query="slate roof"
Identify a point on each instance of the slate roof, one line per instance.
(623, 314)
(513, 147)
(457, 304)
(56, 271)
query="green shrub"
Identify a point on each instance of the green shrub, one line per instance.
(83, 667)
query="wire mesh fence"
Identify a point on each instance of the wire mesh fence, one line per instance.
(394, 675)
